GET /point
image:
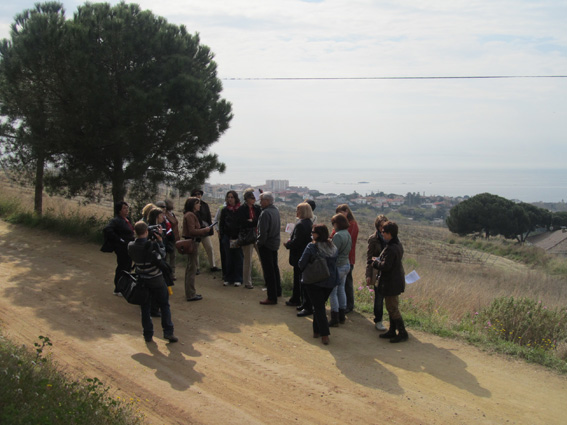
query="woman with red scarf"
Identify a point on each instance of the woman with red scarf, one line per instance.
(228, 230)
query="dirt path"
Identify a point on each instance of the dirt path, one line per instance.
(241, 363)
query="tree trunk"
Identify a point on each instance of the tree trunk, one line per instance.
(118, 182)
(39, 171)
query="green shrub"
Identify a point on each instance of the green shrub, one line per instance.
(33, 391)
(524, 322)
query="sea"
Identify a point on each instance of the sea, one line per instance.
(534, 185)
(524, 185)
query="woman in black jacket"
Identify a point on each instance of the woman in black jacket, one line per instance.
(247, 220)
(299, 239)
(391, 281)
(228, 229)
(118, 233)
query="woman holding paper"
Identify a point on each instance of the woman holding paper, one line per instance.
(391, 280)
(376, 245)
(299, 239)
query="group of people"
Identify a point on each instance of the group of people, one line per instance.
(243, 228)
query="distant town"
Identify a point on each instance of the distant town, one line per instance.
(433, 208)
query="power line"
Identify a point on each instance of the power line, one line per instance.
(470, 77)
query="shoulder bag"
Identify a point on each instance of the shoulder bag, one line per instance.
(132, 290)
(316, 270)
(185, 246)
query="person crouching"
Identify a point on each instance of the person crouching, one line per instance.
(146, 254)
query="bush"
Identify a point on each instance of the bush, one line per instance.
(524, 322)
(33, 391)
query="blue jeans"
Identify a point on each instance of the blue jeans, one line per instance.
(160, 297)
(338, 296)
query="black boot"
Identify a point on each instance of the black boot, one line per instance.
(402, 333)
(391, 332)
(342, 316)
(334, 323)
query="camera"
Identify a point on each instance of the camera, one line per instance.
(153, 230)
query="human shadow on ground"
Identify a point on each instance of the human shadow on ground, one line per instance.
(412, 355)
(171, 366)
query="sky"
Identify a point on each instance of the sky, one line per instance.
(322, 97)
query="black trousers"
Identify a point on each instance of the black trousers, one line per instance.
(319, 296)
(271, 270)
(123, 262)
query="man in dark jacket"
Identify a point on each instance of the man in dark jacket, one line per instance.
(269, 226)
(391, 281)
(117, 234)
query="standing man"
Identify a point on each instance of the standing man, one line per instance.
(268, 244)
(205, 220)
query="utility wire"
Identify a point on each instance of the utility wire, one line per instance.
(472, 77)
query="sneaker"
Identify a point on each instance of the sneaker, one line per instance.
(215, 269)
(118, 294)
(379, 326)
(225, 284)
(171, 338)
(237, 283)
(249, 286)
(148, 339)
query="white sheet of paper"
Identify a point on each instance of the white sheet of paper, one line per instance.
(412, 277)
(289, 227)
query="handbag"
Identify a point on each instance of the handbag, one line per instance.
(247, 236)
(185, 246)
(316, 270)
(132, 289)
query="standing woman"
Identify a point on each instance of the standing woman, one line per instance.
(118, 233)
(172, 219)
(353, 231)
(192, 230)
(206, 220)
(376, 245)
(319, 292)
(228, 228)
(391, 281)
(343, 242)
(299, 239)
(247, 216)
